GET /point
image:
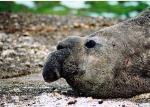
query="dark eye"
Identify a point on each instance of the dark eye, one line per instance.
(90, 44)
(60, 47)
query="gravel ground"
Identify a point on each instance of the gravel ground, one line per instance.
(25, 41)
(32, 91)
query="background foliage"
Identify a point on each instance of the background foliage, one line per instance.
(121, 9)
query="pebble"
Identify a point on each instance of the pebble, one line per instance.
(2, 104)
(100, 102)
(28, 64)
(8, 52)
(1, 46)
(40, 64)
(14, 16)
(15, 99)
(123, 106)
(72, 102)
(26, 34)
(3, 37)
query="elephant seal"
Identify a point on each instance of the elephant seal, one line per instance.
(112, 62)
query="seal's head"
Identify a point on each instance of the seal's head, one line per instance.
(83, 61)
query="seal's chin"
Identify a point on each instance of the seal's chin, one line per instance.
(53, 66)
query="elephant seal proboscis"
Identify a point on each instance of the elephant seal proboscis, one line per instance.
(112, 62)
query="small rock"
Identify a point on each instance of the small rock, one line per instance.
(1, 63)
(59, 98)
(9, 59)
(8, 52)
(15, 99)
(12, 65)
(16, 25)
(72, 102)
(56, 90)
(35, 45)
(2, 104)
(1, 46)
(29, 104)
(16, 90)
(24, 97)
(3, 36)
(26, 34)
(76, 25)
(14, 16)
(84, 26)
(32, 51)
(100, 102)
(28, 64)
(64, 92)
(40, 64)
(123, 105)
(56, 94)
(26, 40)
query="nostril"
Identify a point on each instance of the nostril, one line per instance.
(60, 47)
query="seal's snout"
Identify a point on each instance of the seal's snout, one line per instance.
(51, 70)
(50, 74)
(53, 66)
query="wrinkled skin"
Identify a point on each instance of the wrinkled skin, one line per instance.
(113, 62)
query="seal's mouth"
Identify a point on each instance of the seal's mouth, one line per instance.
(54, 65)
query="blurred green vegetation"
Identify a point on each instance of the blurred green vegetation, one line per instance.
(121, 9)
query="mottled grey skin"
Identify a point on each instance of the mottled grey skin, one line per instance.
(117, 66)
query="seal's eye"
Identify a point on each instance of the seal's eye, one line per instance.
(60, 47)
(90, 44)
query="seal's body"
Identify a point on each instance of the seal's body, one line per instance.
(113, 62)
